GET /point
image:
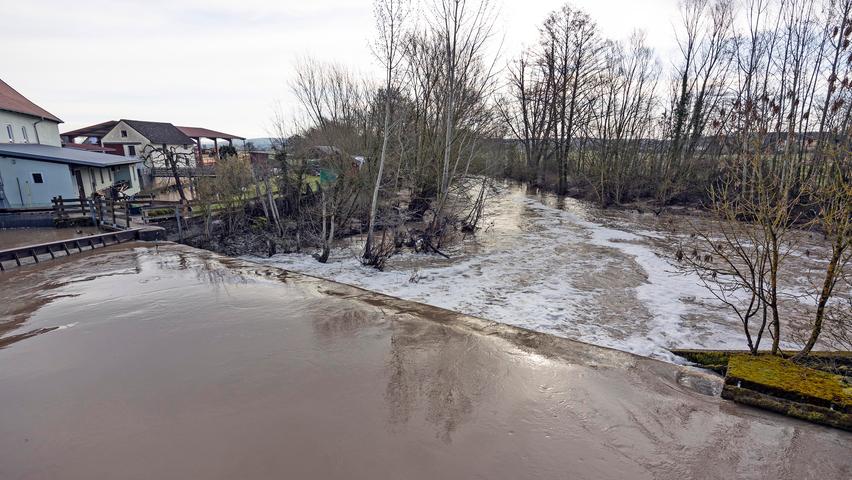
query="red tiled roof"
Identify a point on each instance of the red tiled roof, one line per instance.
(197, 132)
(13, 101)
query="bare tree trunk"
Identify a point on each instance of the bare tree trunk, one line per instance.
(390, 15)
(824, 296)
(170, 157)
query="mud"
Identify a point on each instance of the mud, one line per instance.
(141, 362)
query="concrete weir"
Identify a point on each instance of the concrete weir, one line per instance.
(143, 361)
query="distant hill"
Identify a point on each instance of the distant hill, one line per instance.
(261, 143)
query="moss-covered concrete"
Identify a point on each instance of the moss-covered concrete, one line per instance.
(816, 389)
(786, 379)
(717, 360)
(810, 413)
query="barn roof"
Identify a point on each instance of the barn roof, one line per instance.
(13, 101)
(97, 130)
(198, 132)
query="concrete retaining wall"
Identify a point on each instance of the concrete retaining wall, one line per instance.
(26, 220)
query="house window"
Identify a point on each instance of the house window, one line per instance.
(101, 171)
(26, 136)
(38, 178)
(11, 133)
(124, 134)
(109, 172)
(131, 151)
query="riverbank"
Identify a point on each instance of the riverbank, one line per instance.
(172, 362)
(561, 266)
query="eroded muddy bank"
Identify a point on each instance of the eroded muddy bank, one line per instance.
(171, 362)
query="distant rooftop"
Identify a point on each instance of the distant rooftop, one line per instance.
(13, 101)
(74, 156)
(156, 132)
(91, 147)
(160, 132)
(97, 130)
(198, 132)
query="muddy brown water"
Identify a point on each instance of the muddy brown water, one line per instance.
(20, 237)
(168, 362)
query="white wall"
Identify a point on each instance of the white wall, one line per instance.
(20, 189)
(92, 178)
(48, 130)
(140, 143)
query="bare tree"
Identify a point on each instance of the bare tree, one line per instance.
(701, 81)
(336, 103)
(464, 28)
(527, 112)
(833, 200)
(741, 262)
(390, 23)
(180, 163)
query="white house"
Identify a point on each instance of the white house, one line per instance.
(146, 140)
(22, 121)
(132, 137)
(34, 167)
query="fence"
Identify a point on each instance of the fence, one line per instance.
(184, 172)
(99, 211)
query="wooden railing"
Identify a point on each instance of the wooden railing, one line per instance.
(184, 172)
(70, 208)
(98, 211)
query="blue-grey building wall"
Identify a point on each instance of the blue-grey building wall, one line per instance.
(20, 189)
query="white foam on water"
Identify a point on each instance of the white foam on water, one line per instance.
(533, 275)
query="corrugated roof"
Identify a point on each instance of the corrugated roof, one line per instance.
(160, 132)
(50, 153)
(13, 101)
(198, 132)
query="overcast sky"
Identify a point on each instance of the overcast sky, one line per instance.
(225, 64)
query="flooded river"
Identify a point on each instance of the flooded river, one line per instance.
(563, 267)
(140, 362)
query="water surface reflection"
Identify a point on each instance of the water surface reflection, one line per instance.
(171, 362)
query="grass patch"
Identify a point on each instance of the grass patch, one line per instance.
(159, 212)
